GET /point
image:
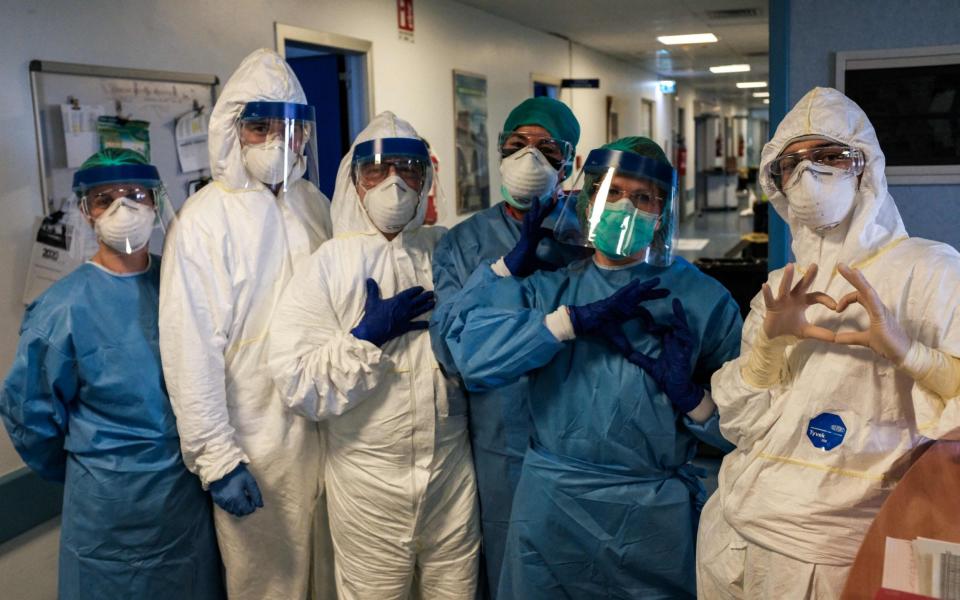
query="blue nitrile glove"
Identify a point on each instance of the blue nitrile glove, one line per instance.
(671, 369)
(522, 260)
(237, 492)
(622, 305)
(384, 320)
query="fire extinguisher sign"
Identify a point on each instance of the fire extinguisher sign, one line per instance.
(405, 19)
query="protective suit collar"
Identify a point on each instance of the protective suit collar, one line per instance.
(348, 214)
(874, 222)
(262, 76)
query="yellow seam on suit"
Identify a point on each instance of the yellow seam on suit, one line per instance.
(869, 260)
(245, 342)
(409, 370)
(801, 463)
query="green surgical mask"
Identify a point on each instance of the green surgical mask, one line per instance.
(623, 230)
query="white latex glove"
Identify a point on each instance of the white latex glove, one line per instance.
(885, 336)
(786, 313)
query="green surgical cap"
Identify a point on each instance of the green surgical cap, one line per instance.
(552, 115)
(114, 157)
(639, 145)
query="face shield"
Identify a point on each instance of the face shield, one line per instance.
(278, 143)
(624, 206)
(125, 203)
(394, 176)
(834, 156)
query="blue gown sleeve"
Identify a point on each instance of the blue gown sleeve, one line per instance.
(446, 284)
(720, 344)
(495, 332)
(41, 384)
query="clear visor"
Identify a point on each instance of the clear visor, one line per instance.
(278, 144)
(407, 158)
(836, 156)
(557, 152)
(133, 215)
(624, 206)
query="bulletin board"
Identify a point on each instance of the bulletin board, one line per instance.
(159, 97)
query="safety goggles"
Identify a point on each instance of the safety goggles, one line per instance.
(375, 160)
(98, 187)
(101, 197)
(649, 200)
(557, 152)
(837, 156)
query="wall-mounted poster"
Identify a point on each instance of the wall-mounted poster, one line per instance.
(470, 125)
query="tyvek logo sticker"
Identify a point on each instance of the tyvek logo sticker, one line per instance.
(826, 431)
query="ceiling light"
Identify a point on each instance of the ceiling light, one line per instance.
(692, 38)
(761, 94)
(751, 84)
(730, 69)
(766, 101)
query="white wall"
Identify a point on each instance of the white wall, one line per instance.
(414, 80)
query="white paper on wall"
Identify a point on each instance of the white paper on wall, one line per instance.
(191, 135)
(80, 132)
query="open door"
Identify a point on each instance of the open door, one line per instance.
(335, 72)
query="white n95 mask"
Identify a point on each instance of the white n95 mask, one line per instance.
(820, 196)
(391, 204)
(270, 162)
(527, 176)
(126, 225)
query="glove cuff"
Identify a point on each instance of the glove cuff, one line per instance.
(689, 399)
(360, 332)
(575, 322)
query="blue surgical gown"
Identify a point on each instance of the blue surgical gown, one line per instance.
(499, 419)
(607, 505)
(85, 403)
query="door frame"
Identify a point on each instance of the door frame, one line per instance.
(348, 46)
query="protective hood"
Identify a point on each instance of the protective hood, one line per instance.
(874, 222)
(262, 76)
(347, 212)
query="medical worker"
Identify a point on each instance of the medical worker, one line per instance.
(225, 265)
(85, 404)
(607, 504)
(537, 148)
(349, 346)
(841, 376)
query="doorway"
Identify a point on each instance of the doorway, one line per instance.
(335, 73)
(545, 85)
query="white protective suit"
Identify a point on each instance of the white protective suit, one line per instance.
(399, 477)
(225, 264)
(788, 517)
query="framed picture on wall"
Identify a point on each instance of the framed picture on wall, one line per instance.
(470, 141)
(912, 97)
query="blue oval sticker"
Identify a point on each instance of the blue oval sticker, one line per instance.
(826, 431)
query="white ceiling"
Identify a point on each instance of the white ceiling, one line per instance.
(628, 30)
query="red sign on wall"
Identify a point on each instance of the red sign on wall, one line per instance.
(405, 17)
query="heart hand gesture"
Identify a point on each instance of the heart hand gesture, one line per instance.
(884, 336)
(786, 314)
